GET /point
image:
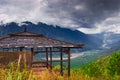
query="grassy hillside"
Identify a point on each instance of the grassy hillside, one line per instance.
(92, 55)
(105, 67)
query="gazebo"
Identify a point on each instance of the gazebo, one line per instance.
(38, 43)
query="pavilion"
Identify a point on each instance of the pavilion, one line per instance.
(38, 43)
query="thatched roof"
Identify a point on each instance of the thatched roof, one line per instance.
(28, 39)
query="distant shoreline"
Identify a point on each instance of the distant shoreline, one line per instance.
(73, 55)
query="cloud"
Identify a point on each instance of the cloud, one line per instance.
(110, 24)
(84, 15)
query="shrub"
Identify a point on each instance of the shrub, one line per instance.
(114, 64)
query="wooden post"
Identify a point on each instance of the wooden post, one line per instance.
(47, 56)
(21, 48)
(61, 62)
(68, 61)
(32, 52)
(50, 58)
(20, 56)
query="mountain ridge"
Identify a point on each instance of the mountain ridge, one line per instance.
(56, 32)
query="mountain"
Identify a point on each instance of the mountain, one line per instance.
(56, 32)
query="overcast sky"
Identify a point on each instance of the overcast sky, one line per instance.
(88, 16)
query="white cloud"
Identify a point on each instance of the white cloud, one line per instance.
(106, 40)
(34, 11)
(19, 10)
(80, 7)
(110, 24)
(90, 30)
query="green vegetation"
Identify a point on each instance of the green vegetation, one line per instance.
(12, 72)
(114, 64)
(106, 68)
(86, 58)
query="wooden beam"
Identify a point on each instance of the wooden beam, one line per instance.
(13, 35)
(5, 49)
(61, 62)
(48, 51)
(47, 56)
(68, 62)
(50, 58)
(58, 60)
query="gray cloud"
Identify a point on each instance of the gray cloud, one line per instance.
(87, 12)
(74, 14)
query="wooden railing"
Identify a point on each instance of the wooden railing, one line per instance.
(6, 57)
(41, 64)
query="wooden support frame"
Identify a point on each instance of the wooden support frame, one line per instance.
(32, 52)
(61, 62)
(20, 56)
(21, 49)
(49, 51)
(68, 62)
(47, 56)
(50, 58)
(49, 47)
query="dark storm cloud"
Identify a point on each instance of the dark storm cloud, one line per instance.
(86, 12)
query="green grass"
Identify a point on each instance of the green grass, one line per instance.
(13, 72)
